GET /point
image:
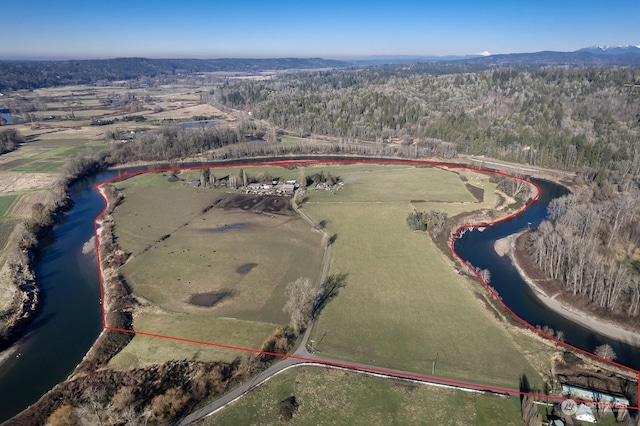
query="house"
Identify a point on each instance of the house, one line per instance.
(254, 187)
(585, 414)
(288, 188)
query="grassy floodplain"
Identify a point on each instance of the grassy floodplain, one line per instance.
(183, 247)
(328, 396)
(404, 304)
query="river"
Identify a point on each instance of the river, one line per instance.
(477, 247)
(69, 319)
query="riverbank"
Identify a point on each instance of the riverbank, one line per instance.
(512, 246)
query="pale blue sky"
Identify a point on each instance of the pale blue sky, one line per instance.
(211, 29)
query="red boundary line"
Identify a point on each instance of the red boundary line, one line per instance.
(462, 228)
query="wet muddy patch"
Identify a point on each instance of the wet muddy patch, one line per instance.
(257, 204)
(246, 268)
(478, 193)
(210, 299)
(229, 227)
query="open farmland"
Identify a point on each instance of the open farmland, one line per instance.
(404, 304)
(329, 396)
(45, 155)
(196, 251)
(6, 203)
(23, 207)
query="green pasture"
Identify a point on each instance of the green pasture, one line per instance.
(404, 304)
(200, 256)
(180, 248)
(6, 228)
(144, 350)
(47, 155)
(6, 204)
(328, 396)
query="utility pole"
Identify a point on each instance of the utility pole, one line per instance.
(433, 367)
(318, 345)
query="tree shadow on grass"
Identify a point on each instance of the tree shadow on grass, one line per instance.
(328, 290)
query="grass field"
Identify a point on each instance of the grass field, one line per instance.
(6, 204)
(328, 396)
(6, 228)
(404, 304)
(144, 350)
(181, 248)
(47, 155)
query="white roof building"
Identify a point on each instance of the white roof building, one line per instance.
(585, 414)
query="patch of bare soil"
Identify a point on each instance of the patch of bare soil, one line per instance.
(210, 299)
(478, 193)
(246, 268)
(257, 204)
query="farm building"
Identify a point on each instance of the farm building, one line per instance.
(590, 395)
(288, 188)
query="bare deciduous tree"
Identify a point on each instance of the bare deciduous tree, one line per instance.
(300, 297)
(605, 351)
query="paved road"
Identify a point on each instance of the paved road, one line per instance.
(303, 357)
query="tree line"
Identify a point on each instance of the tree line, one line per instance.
(16, 75)
(10, 139)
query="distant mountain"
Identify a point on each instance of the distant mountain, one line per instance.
(589, 56)
(611, 50)
(408, 59)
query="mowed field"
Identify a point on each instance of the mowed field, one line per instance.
(328, 396)
(404, 304)
(46, 155)
(210, 274)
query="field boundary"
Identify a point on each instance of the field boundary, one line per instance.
(354, 366)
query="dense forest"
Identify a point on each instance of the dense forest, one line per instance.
(17, 75)
(564, 118)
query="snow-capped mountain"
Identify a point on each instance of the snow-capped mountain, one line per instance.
(611, 50)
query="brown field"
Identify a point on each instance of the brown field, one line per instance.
(186, 112)
(23, 206)
(14, 182)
